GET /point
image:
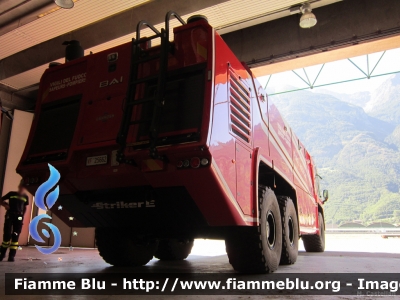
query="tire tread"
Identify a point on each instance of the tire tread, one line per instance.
(119, 250)
(245, 248)
(314, 242)
(173, 250)
(286, 258)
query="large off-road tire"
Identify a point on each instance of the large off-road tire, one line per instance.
(290, 231)
(119, 250)
(316, 242)
(173, 249)
(258, 249)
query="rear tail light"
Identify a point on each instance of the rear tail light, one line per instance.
(186, 163)
(204, 161)
(194, 162)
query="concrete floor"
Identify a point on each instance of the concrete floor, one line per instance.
(29, 260)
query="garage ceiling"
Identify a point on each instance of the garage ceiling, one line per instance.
(60, 22)
(48, 22)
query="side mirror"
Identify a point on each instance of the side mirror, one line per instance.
(325, 195)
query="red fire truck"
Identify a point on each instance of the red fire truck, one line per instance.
(159, 145)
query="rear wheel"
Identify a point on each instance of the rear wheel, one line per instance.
(315, 242)
(258, 249)
(173, 249)
(119, 250)
(290, 231)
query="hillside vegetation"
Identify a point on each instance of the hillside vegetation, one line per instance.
(355, 140)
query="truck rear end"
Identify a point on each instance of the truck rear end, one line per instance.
(81, 111)
(159, 145)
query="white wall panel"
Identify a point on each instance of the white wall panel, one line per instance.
(19, 135)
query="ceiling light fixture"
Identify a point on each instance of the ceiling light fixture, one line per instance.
(64, 3)
(308, 19)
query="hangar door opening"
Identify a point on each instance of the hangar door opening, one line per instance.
(347, 113)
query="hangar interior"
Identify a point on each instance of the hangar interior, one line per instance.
(266, 35)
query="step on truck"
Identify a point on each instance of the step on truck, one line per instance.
(169, 138)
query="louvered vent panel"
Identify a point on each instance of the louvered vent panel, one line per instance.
(240, 109)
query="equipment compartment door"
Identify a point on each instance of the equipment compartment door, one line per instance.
(243, 179)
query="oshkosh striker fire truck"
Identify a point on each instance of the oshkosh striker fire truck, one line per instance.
(160, 145)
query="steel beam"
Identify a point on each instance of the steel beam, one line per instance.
(342, 24)
(14, 100)
(14, 14)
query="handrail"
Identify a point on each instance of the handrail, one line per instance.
(163, 34)
(168, 18)
(140, 24)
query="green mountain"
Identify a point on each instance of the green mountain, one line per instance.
(359, 99)
(385, 101)
(357, 152)
(394, 138)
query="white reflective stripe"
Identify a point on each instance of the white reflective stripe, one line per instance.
(300, 179)
(229, 193)
(17, 197)
(274, 142)
(277, 168)
(212, 90)
(304, 190)
(283, 149)
(264, 160)
(294, 172)
(251, 219)
(302, 157)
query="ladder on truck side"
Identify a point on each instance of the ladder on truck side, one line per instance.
(139, 57)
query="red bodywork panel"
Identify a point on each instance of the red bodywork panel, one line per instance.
(239, 128)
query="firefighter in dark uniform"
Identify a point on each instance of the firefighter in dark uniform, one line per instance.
(16, 208)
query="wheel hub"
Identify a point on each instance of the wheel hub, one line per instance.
(271, 230)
